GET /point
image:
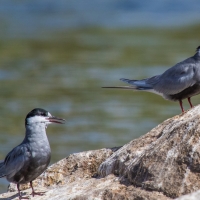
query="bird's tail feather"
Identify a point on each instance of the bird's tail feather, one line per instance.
(135, 85)
(138, 84)
(122, 87)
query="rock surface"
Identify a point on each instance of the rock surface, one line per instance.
(167, 159)
(191, 196)
(70, 170)
(163, 164)
(76, 178)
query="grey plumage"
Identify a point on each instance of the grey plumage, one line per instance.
(178, 82)
(29, 159)
(2, 169)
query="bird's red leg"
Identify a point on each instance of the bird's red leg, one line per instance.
(35, 193)
(190, 102)
(20, 196)
(181, 105)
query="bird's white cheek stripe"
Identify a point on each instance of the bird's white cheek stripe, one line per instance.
(36, 119)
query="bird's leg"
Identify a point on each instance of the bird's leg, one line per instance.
(190, 102)
(35, 193)
(181, 105)
(20, 196)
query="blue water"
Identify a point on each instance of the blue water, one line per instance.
(38, 18)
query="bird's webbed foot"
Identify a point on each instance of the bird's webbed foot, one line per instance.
(37, 193)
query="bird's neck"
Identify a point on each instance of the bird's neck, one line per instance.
(36, 132)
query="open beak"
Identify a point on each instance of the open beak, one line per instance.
(55, 120)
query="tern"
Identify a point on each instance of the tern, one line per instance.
(30, 158)
(182, 81)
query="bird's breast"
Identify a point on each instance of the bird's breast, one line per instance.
(188, 92)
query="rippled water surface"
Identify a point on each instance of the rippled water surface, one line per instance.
(58, 57)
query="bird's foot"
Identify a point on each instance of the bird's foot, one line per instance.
(33, 191)
(37, 193)
(20, 197)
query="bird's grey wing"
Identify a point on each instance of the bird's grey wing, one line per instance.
(15, 160)
(175, 79)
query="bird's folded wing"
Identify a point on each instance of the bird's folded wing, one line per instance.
(175, 80)
(15, 160)
(1, 163)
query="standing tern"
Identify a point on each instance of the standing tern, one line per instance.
(30, 159)
(182, 81)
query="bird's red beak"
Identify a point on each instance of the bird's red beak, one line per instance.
(56, 120)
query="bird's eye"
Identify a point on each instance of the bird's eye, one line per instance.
(43, 114)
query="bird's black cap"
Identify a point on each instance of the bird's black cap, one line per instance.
(37, 112)
(43, 113)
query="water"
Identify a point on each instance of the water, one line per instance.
(58, 54)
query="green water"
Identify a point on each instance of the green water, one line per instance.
(63, 72)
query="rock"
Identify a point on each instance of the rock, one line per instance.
(108, 188)
(161, 165)
(76, 178)
(191, 196)
(70, 169)
(167, 159)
